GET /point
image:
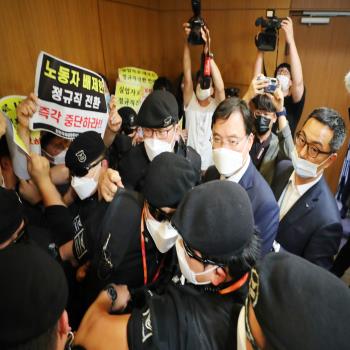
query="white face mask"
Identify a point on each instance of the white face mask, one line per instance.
(227, 161)
(154, 147)
(303, 167)
(55, 160)
(86, 186)
(163, 234)
(284, 81)
(202, 94)
(185, 268)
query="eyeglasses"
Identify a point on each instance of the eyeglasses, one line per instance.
(80, 172)
(247, 327)
(312, 150)
(158, 214)
(231, 142)
(204, 261)
(263, 114)
(21, 235)
(159, 133)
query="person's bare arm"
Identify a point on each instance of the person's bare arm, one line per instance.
(297, 88)
(114, 123)
(258, 65)
(188, 84)
(101, 331)
(39, 170)
(256, 87)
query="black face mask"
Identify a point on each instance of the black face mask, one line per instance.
(262, 124)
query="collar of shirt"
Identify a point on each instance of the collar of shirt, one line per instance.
(237, 176)
(265, 143)
(301, 189)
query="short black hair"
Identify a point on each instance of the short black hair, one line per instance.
(263, 102)
(283, 65)
(46, 138)
(230, 105)
(45, 341)
(240, 264)
(334, 121)
(163, 83)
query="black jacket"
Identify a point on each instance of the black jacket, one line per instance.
(312, 227)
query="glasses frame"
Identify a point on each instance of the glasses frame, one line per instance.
(232, 145)
(307, 144)
(157, 132)
(159, 214)
(84, 171)
(202, 260)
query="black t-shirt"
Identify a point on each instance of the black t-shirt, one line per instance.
(185, 317)
(117, 227)
(294, 111)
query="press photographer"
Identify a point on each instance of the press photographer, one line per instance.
(199, 103)
(290, 75)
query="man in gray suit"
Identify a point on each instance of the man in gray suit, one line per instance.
(309, 218)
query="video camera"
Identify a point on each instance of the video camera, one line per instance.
(196, 22)
(266, 40)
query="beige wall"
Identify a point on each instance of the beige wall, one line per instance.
(103, 35)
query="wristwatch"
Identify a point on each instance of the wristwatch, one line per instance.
(283, 112)
(113, 295)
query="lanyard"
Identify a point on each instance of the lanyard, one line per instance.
(144, 256)
(235, 285)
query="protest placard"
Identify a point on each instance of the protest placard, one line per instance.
(8, 105)
(133, 86)
(71, 98)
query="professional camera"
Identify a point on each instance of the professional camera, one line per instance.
(266, 40)
(196, 22)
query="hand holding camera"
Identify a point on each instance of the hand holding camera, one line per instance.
(196, 23)
(277, 98)
(287, 26)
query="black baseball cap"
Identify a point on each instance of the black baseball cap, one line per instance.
(299, 305)
(159, 110)
(86, 149)
(33, 293)
(216, 218)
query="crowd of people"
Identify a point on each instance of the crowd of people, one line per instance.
(219, 232)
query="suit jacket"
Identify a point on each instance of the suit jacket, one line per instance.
(312, 227)
(281, 147)
(265, 207)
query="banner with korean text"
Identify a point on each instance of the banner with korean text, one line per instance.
(133, 86)
(71, 98)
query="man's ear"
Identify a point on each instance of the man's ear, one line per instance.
(332, 158)
(218, 276)
(63, 325)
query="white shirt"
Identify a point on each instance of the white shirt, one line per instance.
(241, 331)
(198, 125)
(292, 193)
(239, 174)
